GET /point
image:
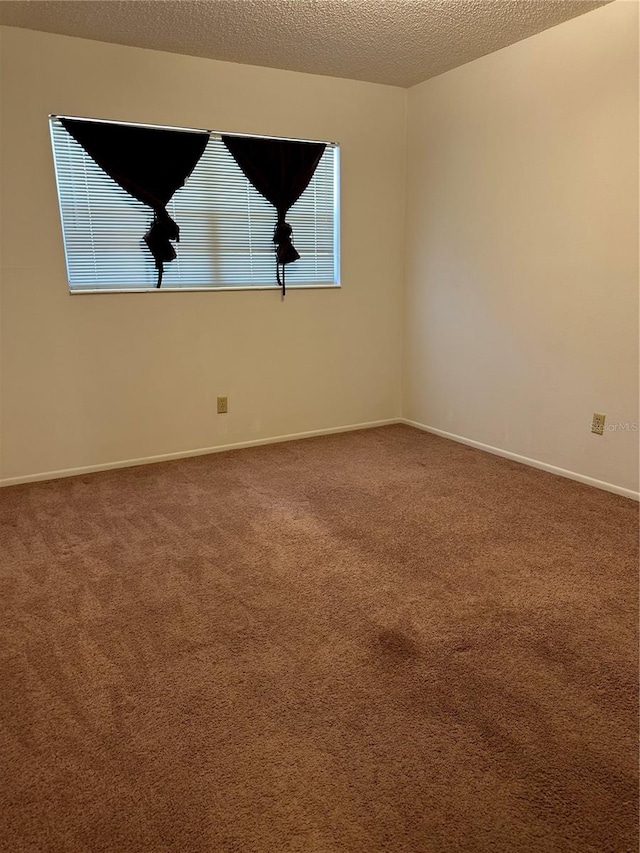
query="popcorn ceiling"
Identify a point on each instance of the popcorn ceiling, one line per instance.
(398, 42)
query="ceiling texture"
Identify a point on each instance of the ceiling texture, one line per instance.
(398, 42)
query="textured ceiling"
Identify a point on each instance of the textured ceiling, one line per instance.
(399, 42)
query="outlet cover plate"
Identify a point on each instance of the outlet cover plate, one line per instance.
(597, 424)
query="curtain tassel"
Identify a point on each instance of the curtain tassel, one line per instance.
(285, 251)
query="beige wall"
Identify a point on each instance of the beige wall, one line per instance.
(521, 287)
(89, 380)
(521, 290)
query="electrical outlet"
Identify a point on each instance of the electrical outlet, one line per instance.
(222, 405)
(597, 424)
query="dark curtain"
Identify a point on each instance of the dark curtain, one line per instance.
(150, 164)
(280, 170)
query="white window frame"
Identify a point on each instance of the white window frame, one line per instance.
(166, 287)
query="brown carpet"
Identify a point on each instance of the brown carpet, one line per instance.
(375, 641)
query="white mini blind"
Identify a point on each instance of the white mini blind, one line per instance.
(226, 226)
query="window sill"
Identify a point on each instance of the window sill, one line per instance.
(104, 290)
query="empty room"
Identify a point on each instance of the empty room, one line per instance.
(319, 426)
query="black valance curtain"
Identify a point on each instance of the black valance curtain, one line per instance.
(280, 169)
(150, 164)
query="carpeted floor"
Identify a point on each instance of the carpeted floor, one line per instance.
(375, 641)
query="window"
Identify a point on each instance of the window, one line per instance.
(226, 226)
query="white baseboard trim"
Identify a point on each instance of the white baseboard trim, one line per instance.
(525, 460)
(184, 454)
(205, 451)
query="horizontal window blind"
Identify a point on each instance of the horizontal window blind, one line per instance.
(226, 226)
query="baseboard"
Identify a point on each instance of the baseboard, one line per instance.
(205, 451)
(525, 460)
(184, 454)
